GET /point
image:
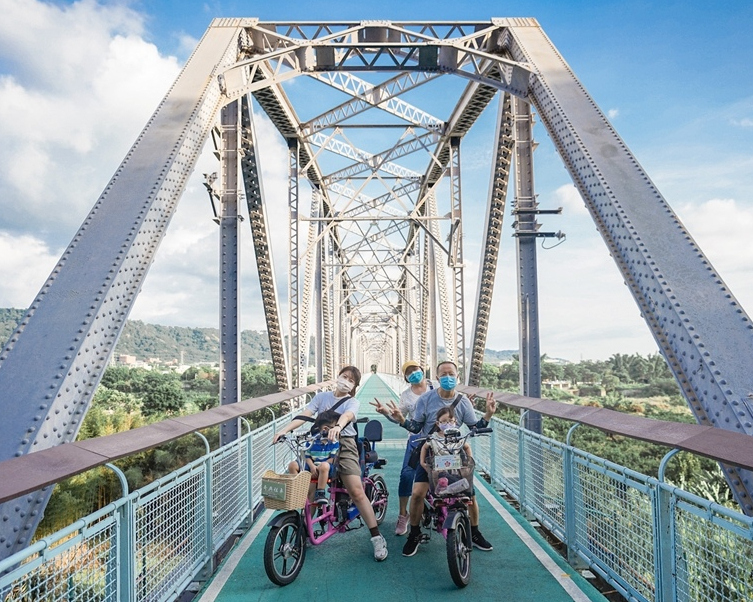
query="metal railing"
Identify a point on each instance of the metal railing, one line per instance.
(652, 541)
(150, 544)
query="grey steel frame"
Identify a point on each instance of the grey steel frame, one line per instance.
(52, 364)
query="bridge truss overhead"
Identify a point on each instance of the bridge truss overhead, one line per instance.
(373, 115)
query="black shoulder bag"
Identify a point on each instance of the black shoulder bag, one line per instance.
(331, 415)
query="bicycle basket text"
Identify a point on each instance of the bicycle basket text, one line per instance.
(274, 489)
(447, 462)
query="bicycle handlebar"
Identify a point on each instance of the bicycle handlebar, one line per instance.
(482, 431)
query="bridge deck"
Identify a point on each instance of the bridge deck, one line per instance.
(521, 566)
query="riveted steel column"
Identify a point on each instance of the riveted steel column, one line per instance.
(318, 299)
(456, 258)
(525, 231)
(500, 178)
(53, 362)
(698, 325)
(439, 277)
(293, 288)
(229, 226)
(260, 235)
(328, 308)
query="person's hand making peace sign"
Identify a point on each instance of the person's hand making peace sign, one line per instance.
(389, 410)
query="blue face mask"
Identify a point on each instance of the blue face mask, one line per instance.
(448, 382)
(415, 377)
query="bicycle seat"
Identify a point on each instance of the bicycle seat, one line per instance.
(373, 430)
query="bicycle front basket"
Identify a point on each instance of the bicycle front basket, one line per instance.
(451, 475)
(285, 491)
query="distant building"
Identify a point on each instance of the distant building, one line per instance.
(561, 385)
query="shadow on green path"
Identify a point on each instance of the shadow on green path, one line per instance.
(343, 567)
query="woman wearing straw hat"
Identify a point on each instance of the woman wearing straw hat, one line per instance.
(414, 376)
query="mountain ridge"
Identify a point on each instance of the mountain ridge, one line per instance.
(197, 345)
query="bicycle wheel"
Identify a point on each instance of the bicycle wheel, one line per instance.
(459, 547)
(285, 551)
(377, 493)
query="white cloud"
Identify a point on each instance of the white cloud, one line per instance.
(569, 198)
(722, 228)
(25, 263)
(67, 121)
(746, 122)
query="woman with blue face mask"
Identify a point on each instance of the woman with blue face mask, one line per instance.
(343, 398)
(413, 374)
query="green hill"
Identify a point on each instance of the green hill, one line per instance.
(199, 345)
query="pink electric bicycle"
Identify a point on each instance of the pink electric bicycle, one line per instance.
(285, 547)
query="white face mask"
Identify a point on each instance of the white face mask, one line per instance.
(343, 385)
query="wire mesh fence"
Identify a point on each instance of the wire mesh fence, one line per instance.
(653, 542)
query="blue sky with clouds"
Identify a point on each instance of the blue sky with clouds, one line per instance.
(78, 81)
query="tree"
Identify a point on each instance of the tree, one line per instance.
(550, 371)
(257, 380)
(163, 394)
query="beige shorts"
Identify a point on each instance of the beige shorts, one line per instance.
(348, 462)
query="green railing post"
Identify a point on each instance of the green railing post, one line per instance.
(249, 478)
(125, 549)
(493, 455)
(209, 512)
(570, 505)
(522, 468)
(664, 536)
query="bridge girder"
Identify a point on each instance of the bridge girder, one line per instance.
(54, 361)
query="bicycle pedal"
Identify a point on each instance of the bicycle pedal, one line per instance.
(425, 538)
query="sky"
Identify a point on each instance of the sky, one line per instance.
(79, 80)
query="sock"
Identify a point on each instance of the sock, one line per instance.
(320, 493)
(474, 529)
(374, 531)
(415, 531)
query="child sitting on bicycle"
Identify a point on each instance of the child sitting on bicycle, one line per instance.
(436, 446)
(320, 456)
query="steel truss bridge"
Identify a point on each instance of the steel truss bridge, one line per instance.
(374, 197)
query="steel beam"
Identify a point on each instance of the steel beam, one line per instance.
(698, 325)
(500, 178)
(525, 248)
(260, 236)
(455, 260)
(53, 362)
(229, 226)
(294, 293)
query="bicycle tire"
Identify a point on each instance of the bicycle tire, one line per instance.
(378, 496)
(459, 546)
(285, 551)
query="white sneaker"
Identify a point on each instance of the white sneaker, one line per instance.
(380, 547)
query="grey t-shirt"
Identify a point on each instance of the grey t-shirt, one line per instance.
(326, 399)
(430, 403)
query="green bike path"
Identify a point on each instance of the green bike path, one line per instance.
(521, 567)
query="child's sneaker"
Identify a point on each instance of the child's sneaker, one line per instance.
(380, 547)
(320, 497)
(402, 524)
